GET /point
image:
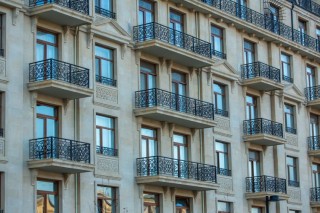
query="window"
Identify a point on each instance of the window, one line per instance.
(294, 211)
(146, 12)
(249, 53)
(220, 99)
(149, 144)
(254, 164)
(274, 14)
(180, 147)
(242, 9)
(107, 199)
(256, 210)
(182, 205)
(224, 207)
(311, 76)
(47, 196)
(217, 41)
(148, 76)
(292, 171)
(47, 45)
(105, 136)
(104, 66)
(1, 35)
(315, 175)
(151, 203)
(286, 67)
(179, 83)
(47, 121)
(289, 118)
(176, 23)
(251, 107)
(302, 27)
(105, 8)
(314, 125)
(222, 158)
(1, 114)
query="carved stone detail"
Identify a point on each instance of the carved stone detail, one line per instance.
(292, 139)
(222, 123)
(2, 148)
(226, 185)
(107, 166)
(295, 194)
(106, 94)
(2, 68)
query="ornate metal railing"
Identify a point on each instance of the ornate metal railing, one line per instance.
(293, 183)
(221, 112)
(263, 21)
(262, 126)
(106, 151)
(287, 78)
(259, 69)
(168, 35)
(225, 172)
(312, 93)
(291, 130)
(59, 148)
(2, 55)
(104, 12)
(266, 184)
(158, 165)
(308, 5)
(1, 132)
(52, 69)
(314, 143)
(158, 97)
(106, 81)
(315, 194)
(81, 6)
(219, 54)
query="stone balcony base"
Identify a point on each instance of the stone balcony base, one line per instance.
(314, 104)
(264, 139)
(262, 195)
(262, 84)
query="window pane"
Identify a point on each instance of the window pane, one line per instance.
(46, 110)
(179, 139)
(40, 128)
(104, 53)
(46, 186)
(104, 121)
(40, 52)
(48, 37)
(223, 206)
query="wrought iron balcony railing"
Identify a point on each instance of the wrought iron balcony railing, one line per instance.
(225, 172)
(106, 81)
(266, 184)
(291, 130)
(59, 148)
(106, 151)
(314, 143)
(2, 55)
(1, 132)
(168, 35)
(287, 79)
(264, 21)
(221, 112)
(308, 5)
(158, 165)
(104, 12)
(262, 126)
(293, 183)
(219, 54)
(172, 101)
(81, 6)
(312, 93)
(52, 69)
(315, 194)
(259, 69)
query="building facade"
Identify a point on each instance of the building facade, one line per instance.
(159, 106)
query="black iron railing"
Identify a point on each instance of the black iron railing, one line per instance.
(168, 35)
(262, 126)
(291, 130)
(315, 194)
(158, 97)
(219, 54)
(293, 183)
(266, 184)
(221, 112)
(287, 79)
(264, 21)
(81, 6)
(106, 81)
(104, 12)
(52, 69)
(314, 143)
(2, 55)
(106, 151)
(1, 132)
(59, 148)
(308, 5)
(158, 165)
(225, 172)
(259, 69)
(312, 93)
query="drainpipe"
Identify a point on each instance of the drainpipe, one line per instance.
(75, 121)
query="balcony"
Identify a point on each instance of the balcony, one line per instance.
(219, 54)
(164, 171)
(313, 96)
(106, 81)
(314, 146)
(166, 106)
(59, 79)
(106, 151)
(258, 187)
(263, 132)
(164, 42)
(315, 197)
(59, 155)
(261, 76)
(309, 6)
(62, 12)
(105, 13)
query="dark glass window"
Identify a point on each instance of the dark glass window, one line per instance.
(105, 135)
(220, 99)
(222, 154)
(104, 60)
(290, 119)
(292, 171)
(286, 67)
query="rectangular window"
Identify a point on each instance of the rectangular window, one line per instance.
(286, 67)
(315, 175)
(220, 99)
(251, 108)
(311, 76)
(151, 203)
(302, 27)
(107, 199)
(104, 4)
(47, 196)
(146, 12)
(249, 52)
(180, 147)
(148, 76)
(224, 207)
(1, 35)
(149, 142)
(47, 122)
(182, 205)
(1, 114)
(294, 211)
(217, 41)
(254, 164)
(292, 171)
(222, 158)
(105, 136)
(47, 45)
(177, 28)
(256, 210)
(274, 15)
(104, 62)
(290, 119)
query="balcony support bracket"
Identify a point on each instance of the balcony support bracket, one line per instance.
(15, 15)
(173, 194)
(123, 50)
(66, 32)
(66, 178)
(34, 176)
(196, 194)
(171, 128)
(165, 190)
(169, 65)
(90, 39)
(66, 103)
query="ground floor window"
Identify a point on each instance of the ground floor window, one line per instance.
(47, 196)
(106, 199)
(151, 203)
(182, 205)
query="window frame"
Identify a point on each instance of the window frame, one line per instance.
(287, 64)
(99, 77)
(45, 43)
(228, 203)
(44, 193)
(147, 74)
(293, 182)
(147, 138)
(226, 171)
(56, 118)
(144, 10)
(246, 50)
(223, 112)
(114, 199)
(156, 204)
(220, 37)
(290, 129)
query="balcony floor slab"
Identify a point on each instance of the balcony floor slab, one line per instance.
(314, 104)
(315, 204)
(262, 195)
(60, 166)
(262, 84)
(264, 139)
(314, 153)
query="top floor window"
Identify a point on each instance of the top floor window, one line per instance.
(217, 40)
(47, 45)
(146, 12)
(104, 59)
(286, 67)
(249, 52)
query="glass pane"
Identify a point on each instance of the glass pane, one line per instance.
(52, 204)
(152, 82)
(106, 4)
(180, 139)
(98, 137)
(153, 150)
(143, 81)
(140, 18)
(183, 153)
(178, 77)
(256, 168)
(46, 186)
(149, 17)
(40, 203)
(104, 121)
(182, 89)
(48, 37)
(107, 69)
(148, 132)
(52, 52)
(222, 147)
(175, 152)
(46, 110)
(104, 52)
(40, 128)
(40, 52)
(97, 66)
(224, 206)
(108, 138)
(144, 150)
(51, 128)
